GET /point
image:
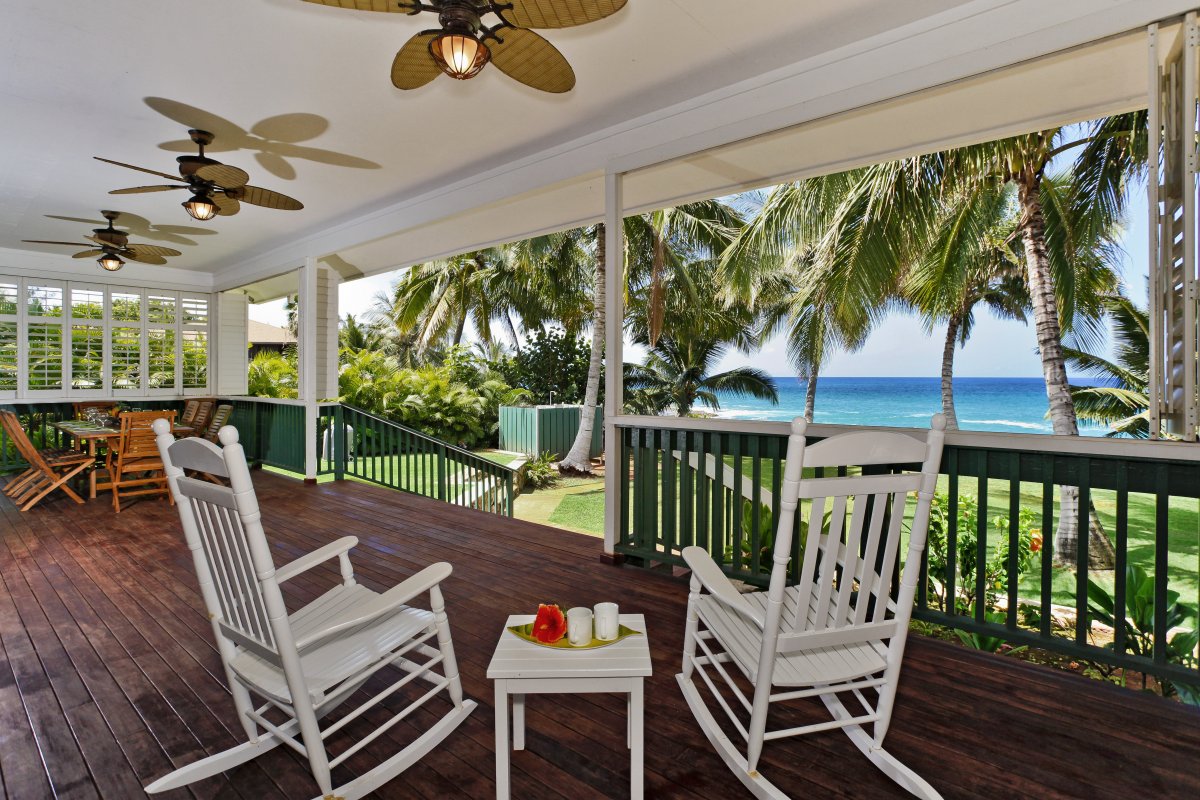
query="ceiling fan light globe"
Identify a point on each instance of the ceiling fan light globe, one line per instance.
(459, 55)
(200, 207)
(110, 262)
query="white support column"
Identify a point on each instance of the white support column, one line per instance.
(228, 344)
(306, 316)
(614, 356)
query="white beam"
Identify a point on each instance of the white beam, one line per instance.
(614, 356)
(306, 317)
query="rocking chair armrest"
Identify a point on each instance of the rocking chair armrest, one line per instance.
(705, 570)
(387, 603)
(318, 556)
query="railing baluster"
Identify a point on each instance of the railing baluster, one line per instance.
(1047, 594)
(1162, 521)
(737, 501)
(756, 506)
(1119, 584)
(1014, 537)
(670, 492)
(951, 582)
(1082, 540)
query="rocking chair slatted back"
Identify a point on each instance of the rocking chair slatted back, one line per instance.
(236, 569)
(851, 537)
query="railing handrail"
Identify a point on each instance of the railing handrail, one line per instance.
(450, 448)
(1088, 446)
(249, 398)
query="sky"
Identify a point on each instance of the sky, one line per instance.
(899, 347)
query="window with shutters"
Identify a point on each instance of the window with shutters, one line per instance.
(9, 337)
(87, 339)
(44, 336)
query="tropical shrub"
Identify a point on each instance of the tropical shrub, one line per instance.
(995, 567)
(1139, 625)
(540, 472)
(550, 365)
(273, 374)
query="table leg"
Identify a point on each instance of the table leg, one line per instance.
(518, 716)
(636, 703)
(91, 448)
(502, 754)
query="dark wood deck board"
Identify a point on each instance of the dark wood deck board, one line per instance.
(110, 676)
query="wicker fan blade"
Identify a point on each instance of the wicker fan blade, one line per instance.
(152, 250)
(413, 66)
(43, 241)
(139, 169)
(140, 255)
(89, 254)
(526, 57)
(143, 189)
(223, 175)
(559, 13)
(257, 196)
(394, 6)
(226, 206)
(101, 242)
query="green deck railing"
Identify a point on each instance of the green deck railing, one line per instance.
(990, 569)
(374, 449)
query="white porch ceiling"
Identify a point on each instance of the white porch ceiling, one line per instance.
(390, 177)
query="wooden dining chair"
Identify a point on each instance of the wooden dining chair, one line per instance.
(48, 470)
(220, 419)
(82, 408)
(288, 671)
(134, 466)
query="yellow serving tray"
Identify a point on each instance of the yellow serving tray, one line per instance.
(526, 632)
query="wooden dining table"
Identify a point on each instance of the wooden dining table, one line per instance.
(89, 435)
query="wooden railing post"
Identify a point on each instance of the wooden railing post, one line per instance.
(339, 443)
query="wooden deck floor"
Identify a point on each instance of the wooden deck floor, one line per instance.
(108, 675)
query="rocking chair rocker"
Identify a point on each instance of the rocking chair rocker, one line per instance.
(301, 666)
(837, 632)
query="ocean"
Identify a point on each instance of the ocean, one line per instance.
(1008, 405)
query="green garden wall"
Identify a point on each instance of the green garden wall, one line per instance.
(534, 430)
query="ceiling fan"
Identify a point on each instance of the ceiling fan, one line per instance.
(216, 188)
(114, 245)
(464, 44)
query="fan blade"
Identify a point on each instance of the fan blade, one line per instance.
(43, 241)
(103, 243)
(257, 196)
(144, 258)
(139, 169)
(89, 254)
(413, 66)
(151, 250)
(394, 6)
(559, 13)
(226, 206)
(527, 57)
(223, 175)
(143, 189)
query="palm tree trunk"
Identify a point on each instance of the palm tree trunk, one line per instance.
(579, 458)
(1054, 370)
(948, 372)
(810, 397)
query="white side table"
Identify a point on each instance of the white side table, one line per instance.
(519, 668)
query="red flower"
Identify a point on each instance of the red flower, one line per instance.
(550, 625)
(1035, 542)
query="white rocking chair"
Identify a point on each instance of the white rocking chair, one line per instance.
(836, 631)
(303, 665)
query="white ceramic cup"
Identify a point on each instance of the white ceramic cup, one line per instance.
(579, 626)
(607, 621)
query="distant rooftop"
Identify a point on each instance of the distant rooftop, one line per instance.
(262, 333)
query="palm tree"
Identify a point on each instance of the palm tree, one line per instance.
(866, 226)
(1122, 401)
(655, 243)
(970, 261)
(354, 335)
(272, 374)
(676, 374)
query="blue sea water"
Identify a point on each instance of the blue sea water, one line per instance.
(1008, 405)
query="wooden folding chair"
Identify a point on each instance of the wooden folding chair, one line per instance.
(134, 466)
(189, 412)
(287, 671)
(203, 417)
(838, 634)
(220, 419)
(47, 470)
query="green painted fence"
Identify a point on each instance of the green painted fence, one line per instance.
(534, 430)
(719, 489)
